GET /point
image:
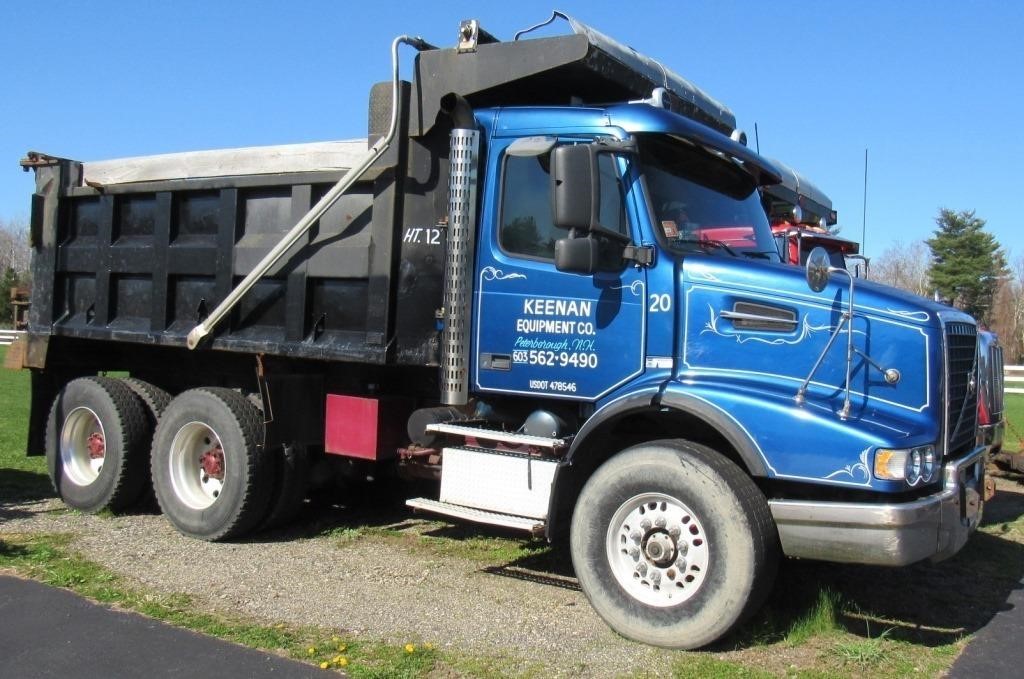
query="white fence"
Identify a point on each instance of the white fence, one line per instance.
(1013, 379)
(8, 336)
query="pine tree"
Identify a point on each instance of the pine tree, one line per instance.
(967, 262)
(7, 283)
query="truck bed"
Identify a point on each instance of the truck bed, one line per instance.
(141, 249)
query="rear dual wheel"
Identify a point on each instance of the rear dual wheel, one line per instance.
(212, 477)
(97, 445)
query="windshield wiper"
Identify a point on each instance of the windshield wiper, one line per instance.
(704, 242)
(759, 254)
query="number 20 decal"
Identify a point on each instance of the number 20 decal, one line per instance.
(660, 303)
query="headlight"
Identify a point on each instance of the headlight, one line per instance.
(912, 465)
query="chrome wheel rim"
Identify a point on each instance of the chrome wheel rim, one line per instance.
(657, 549)
(82, 446)
(196, 477)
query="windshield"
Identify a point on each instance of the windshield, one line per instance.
(702, 201)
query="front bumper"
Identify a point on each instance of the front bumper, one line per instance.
(992, 435)
(933, 527)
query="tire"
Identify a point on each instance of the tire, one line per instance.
(211, 475)
(676, 589)
(153, 397)
(291, 478)
(155, 401)
(291, 483)
(96, 445)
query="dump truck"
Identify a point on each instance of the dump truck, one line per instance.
(497, 292)
(801, 216)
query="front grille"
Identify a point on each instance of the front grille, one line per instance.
(961, 387)
(995, 361)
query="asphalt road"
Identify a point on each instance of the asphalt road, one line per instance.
(48, 632)
(996, 649)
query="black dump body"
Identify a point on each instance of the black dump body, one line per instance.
(142, 262)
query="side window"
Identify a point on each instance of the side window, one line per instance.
(612, 213)
(526, 225)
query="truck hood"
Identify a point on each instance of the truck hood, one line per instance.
(789, 282)
(758, 326)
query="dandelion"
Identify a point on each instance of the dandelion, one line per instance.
(311, 650)
(342, 662)
(324, 665)
(428, 646)
(342, 648)
(409, 648)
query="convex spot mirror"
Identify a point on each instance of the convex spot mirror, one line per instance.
(818, 269)
(577, 255)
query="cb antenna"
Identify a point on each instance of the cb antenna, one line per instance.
(864, 209)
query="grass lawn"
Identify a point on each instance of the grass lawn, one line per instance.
(1014, 407)
(19, 474)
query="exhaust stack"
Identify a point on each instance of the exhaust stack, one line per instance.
(464, 154)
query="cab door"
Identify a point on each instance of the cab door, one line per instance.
(541, 331)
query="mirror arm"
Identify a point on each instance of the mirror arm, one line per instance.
(641, 255)
(847, 321)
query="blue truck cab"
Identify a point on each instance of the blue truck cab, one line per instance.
(721, 333)
(575, 308)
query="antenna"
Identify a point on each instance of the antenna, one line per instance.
(864, 210)
(757, 140)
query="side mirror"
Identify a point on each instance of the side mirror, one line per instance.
(577, 255)
(818, 267)
(575, 187)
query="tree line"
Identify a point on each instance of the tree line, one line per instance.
(965, 266)
(14, 264)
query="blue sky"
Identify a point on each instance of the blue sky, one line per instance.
(934, 90)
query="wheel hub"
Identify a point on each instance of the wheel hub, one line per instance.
(82, 446)
(212, 462)
(197, 465)
(97, 446)
(660, 549)
(657, 549)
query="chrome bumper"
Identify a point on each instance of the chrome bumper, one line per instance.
(933, 527)
(992, 435)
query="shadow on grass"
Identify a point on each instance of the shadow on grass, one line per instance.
(932, 604)
(17, 486)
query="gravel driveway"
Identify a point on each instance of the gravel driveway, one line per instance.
(369, 586)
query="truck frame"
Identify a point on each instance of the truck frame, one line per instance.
(498, 290)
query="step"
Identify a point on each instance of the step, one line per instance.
(533, 526)
(496, 435)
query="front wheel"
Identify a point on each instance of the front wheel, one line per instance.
(673, 544)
